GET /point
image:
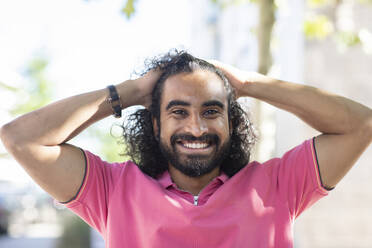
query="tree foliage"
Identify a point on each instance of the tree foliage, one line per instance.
(316, 26)
(110, 144)
(128, 8)
(226, 3)
(37, 93)
(324, 18)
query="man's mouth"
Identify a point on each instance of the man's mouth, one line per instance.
(194, 145)
(190, 144)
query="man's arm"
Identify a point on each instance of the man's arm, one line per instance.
(37, 139)
(346, 126)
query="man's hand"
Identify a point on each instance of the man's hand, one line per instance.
(145, 85)
(238, 78)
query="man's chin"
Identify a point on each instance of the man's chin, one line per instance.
(194, 167)
(194, 164)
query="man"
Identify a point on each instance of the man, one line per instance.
(193, 185)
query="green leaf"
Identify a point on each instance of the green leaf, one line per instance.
(319, 3)
(37, 65)
(8, 87)
(128, 9)
(348, 38)
(317, 27)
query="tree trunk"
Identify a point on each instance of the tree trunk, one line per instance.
(266, 22)
(265, 26)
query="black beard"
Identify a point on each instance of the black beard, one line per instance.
(196, 165)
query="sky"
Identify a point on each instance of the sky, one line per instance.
(89, 45)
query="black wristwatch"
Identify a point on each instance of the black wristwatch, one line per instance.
(114, 100)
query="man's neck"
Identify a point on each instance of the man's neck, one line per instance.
(192, 185)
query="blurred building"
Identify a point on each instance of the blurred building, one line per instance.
(344, 218)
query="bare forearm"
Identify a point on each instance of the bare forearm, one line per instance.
(60, 121)
(346, 125)
(36, 140)
(323, 111)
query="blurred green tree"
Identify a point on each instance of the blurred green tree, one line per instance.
(326, 18)
(76, 233)
(111, 145)
(32, 96)
(316, 25)
(36, 93)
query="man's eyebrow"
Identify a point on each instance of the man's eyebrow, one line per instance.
(214, 103)
(177, 103)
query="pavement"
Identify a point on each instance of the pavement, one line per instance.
(29, 242)
(41, 236)
(31, 236)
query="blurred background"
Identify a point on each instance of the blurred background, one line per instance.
(54, 49)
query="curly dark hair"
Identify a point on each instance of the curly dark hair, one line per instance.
(142, 146)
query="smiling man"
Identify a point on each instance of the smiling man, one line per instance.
(194, 135)
(190, 182)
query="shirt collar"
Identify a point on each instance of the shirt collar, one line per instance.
(166, 181)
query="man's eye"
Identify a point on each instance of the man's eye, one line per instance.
(210, 112)
(179, 112)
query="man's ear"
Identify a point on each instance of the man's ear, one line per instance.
(155, 127)
(230, 127)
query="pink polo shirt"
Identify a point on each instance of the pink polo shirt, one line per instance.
(254, 208)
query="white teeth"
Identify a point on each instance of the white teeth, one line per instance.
(195, 145)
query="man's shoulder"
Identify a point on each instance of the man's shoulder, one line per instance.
(96, 163)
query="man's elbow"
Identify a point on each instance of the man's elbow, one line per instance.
(369, 128)
(8, 136)
(363, 127)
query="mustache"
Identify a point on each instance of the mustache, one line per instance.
(207, 138)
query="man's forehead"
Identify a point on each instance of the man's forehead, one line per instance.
(215, 103)
(200, 83)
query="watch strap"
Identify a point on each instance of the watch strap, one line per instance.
(114, 100)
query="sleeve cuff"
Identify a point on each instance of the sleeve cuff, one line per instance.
(316, 165)
(83, 183)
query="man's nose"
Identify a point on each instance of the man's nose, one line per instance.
(196, 126)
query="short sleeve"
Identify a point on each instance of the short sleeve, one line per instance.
(92, 199)
(298, 178)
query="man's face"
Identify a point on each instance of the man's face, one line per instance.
(194, 125)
